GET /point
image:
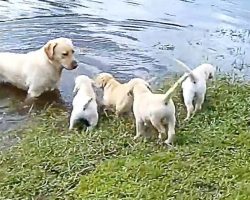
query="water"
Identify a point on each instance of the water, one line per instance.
(125, 37)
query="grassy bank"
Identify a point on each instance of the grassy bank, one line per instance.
(210, 159)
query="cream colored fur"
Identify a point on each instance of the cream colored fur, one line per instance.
(84, 103)
(155, 109)
(117, 95)
(195, 86)
(38, 71)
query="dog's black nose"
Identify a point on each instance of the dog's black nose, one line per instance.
(74, 64)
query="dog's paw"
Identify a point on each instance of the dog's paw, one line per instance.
(89, 129)
(159, 141)
(136, 137)
(187, 119)
(169, 145)
(168, 142)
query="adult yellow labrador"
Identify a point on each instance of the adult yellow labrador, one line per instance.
(38, 71)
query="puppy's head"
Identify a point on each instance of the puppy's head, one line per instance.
(82, 80)
(139, 84)
(60, 51)
(209, 71)
(102, 79)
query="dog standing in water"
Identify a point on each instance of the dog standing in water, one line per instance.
(38, 71)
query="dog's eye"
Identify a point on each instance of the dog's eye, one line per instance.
(65, 54)
(73, 51)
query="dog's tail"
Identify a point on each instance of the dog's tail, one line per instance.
(87, 104)
(191, 74)
(168, 95)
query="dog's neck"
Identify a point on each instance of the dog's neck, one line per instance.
(85, 89)
(141, 88)
(55, 66)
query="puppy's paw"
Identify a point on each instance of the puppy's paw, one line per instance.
(168, 142)
(105, 111)
(159, 141)
(169, 145)
(136, 137)
(89, 129)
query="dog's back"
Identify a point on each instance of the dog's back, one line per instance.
(84, 103)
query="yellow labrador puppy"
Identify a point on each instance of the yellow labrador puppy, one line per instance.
(84, 103)
(38, 71)
(195, 86)
(155, 109)
(117, 95)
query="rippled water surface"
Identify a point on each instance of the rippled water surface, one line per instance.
(126, 37)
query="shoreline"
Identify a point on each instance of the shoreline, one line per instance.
(209, 159)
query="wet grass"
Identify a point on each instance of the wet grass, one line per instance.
(210, 159)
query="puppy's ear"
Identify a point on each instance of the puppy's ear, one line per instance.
(76, 88)
(149, 87)
(130, 93)
(49, 49)
(101, 83)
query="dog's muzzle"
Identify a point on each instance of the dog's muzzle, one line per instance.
(73, 65)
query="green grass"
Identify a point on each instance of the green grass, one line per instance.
(210, 159)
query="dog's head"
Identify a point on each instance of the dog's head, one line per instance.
(138, 83)
(82, 80)
(209, 71)
(102, 79)
(60, 51)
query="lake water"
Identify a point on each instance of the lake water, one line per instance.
(127, 38)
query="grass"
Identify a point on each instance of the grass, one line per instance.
(209, 161)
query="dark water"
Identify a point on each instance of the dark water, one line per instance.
(126, 37)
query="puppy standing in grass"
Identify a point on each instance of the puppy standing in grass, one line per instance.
(195, 86)
(38, 71)
(117, 95)
(155, 109)
(84, 103)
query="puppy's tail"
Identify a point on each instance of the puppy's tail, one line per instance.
(191, 74)
(87, 104)
(168, 95)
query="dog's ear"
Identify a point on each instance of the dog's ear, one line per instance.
(102, 82)
(149, 87)
(76, 88)
(130, 93)
(49, 49)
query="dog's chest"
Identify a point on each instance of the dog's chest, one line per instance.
(51, 84)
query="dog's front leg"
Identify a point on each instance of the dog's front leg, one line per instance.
(33, 93)
(72, 121)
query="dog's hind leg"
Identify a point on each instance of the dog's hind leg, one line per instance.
(139, 129)
(190, 109)
(159, 127)
(198, 103)
(188, 101)
(171, 130)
